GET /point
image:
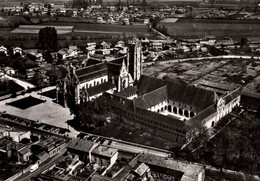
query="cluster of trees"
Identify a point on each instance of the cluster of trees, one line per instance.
(90, 115)
(48, 39)
(18, 63)
(236, 147)
(56, 72)
(9, 86)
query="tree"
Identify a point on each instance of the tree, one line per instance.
(37, 79)
(89, 115)
(48, 39)
(25, 141)
(243, 42)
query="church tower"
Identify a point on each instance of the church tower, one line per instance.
(135, 59)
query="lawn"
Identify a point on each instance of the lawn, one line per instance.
(26, 102)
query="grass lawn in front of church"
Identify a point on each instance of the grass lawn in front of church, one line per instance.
(26, 102)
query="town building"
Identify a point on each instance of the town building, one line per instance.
(17, 51)
(3, 50)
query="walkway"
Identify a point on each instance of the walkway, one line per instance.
(24, 84)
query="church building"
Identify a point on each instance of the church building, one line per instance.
(99, 76)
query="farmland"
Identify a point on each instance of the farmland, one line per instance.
(104, 28)
(34, 29)
(12, 21)
(194, 28)
(70, 33)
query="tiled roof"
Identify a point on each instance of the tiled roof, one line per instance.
(91, 75)
(152, 98)
(100, 88)
(113, 69)
(128, 105)
(80, 145)
(127, 92)
(195, 121)
(90, 69)
(177, 91)
(104, 151)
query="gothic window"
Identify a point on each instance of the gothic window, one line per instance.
(124, 84)
(165, 108)
(162, 109)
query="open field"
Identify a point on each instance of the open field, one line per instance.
(12, 21)
(115, 28)
(34, 29)
(201, 27)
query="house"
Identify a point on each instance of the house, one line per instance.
(104, 156)
(42, 157)
(209, 40)
(157, 46)
(9, 71)
(105, 45)
(3, 50)
(24, 154)
(100, 20)
(120, 44)
(17, 136)
(30, 72)
(146, 21)
(17, 50)
(126, 21)
(81, 147)
(62, 53)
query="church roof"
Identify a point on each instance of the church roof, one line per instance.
(90, 69)
(92, 75)
(113, 69)
(90, 72)
(100, 88)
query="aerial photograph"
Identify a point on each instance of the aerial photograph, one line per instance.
(129, 90)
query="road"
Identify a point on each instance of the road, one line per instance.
(27, 176)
